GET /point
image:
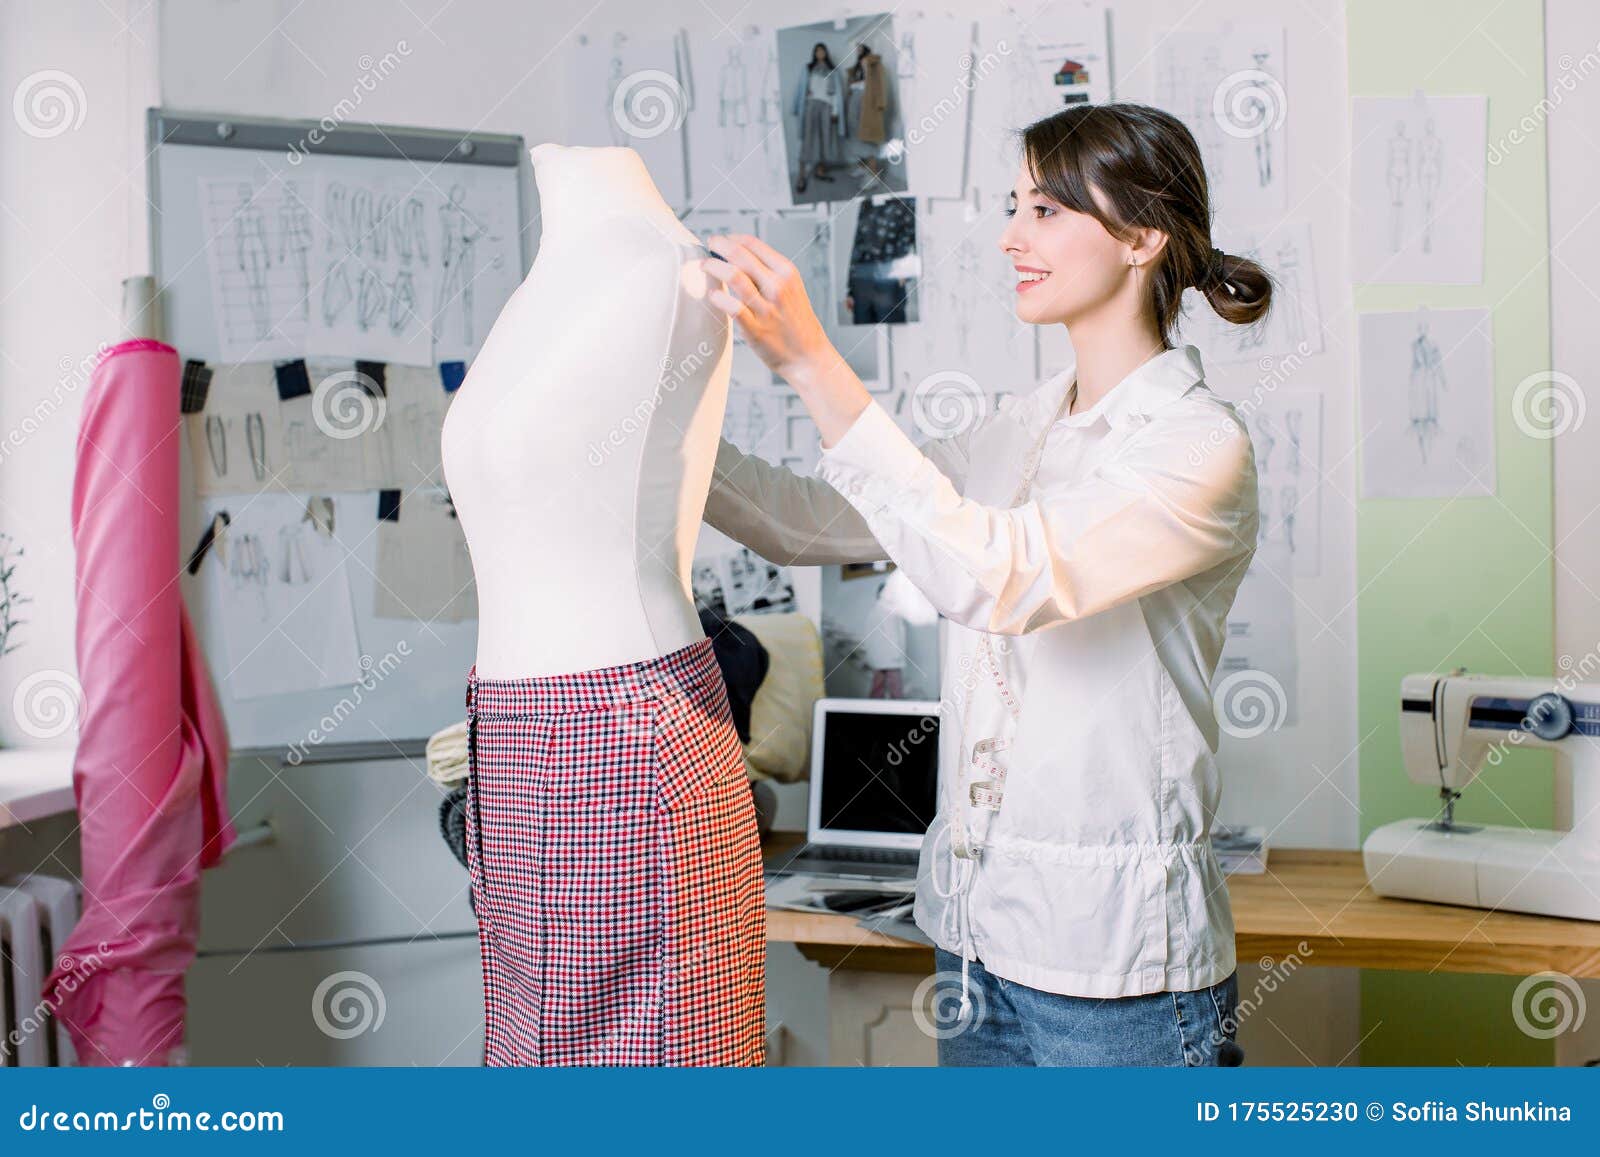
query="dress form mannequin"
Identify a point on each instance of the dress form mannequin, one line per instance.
(612, 842)
(579, 448)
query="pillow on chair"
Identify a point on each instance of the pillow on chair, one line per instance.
(780, 716)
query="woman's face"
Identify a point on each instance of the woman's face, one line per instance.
(1067, 264)
(819, 54)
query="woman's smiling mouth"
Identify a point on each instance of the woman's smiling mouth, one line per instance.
(1028, 276)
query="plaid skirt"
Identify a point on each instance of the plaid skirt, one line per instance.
(616, 867)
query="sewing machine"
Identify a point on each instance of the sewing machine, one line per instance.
(1450, 726)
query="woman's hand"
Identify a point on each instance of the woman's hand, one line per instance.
(763, 290)
(765, 293)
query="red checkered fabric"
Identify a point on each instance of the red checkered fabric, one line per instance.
(616, 867)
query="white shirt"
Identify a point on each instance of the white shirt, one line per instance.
(1109, 588)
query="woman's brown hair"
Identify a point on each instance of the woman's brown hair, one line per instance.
(1145, 164)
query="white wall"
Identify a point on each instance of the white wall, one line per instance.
(71, 227)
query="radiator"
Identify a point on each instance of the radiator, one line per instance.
(36, 913)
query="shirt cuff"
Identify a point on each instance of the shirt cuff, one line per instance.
(873, 459)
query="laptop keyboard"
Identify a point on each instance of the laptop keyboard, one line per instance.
(875, 855)
(833, 854)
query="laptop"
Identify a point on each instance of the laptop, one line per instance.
(874, 789)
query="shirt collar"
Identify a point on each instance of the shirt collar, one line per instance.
(1164, 378)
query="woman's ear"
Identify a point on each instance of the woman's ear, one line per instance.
(1145, 246)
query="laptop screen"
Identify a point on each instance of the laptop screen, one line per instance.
(879, 774)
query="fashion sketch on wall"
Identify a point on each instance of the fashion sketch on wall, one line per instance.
(843, 117)
(1427, 404)
(1417, 188)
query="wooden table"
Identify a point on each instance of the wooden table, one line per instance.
(1315, 905)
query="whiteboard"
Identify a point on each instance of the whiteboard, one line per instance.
(412, 674)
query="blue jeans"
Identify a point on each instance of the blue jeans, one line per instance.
(1012, 1024)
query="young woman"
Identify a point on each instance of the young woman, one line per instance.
(1084, 545)
(819, 103)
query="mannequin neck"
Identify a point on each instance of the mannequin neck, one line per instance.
(581, 187)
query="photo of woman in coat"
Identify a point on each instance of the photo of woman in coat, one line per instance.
(866, 106)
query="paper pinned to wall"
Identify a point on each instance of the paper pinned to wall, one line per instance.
(423, 569)
(1417, 189)
(632, 88)
(281, 588)
(1427, 404)
(736, 158)
(258, 239)
(328, 412)
(236, 439)
(1286, 431)
(1055, 54)
(408, 269)
(373, 271)
(938, 72)
(1228, 83)
(404, 452)
(317, 426)
(738, 581)
(753, 420)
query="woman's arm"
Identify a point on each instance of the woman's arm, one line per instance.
(797, 521)
(786, 519)
(1176, 500)
(1173, 503)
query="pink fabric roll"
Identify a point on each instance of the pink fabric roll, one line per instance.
(150, 774)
